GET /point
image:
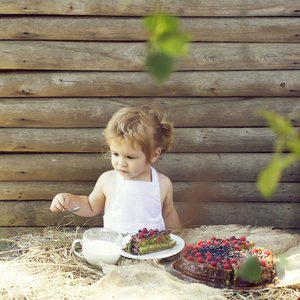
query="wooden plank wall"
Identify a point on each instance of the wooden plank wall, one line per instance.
(67, 66)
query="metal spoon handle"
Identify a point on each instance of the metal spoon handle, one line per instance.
(74, 209)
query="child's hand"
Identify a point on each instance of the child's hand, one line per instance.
(60, 202)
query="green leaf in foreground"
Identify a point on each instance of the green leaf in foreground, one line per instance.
(282, 261)
(160, 66)
(268, 179)
(250, 270)
(160, 24)
(294, 146)
(279, 124)
(174, 44)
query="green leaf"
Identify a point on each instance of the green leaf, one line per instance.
(161, 24)
(175, 44)
(294, 146)
(268, 179)
(160, 66)
(278, 123)
(250, 270)
(282, 261)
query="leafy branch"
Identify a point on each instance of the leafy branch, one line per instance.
(287, 139)
(166, 43)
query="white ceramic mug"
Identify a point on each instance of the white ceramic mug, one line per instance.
(100, 245)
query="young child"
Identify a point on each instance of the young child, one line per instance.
(133, 195)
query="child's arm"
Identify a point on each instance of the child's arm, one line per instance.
(169, 213)
(90, 206)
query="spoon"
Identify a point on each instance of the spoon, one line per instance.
(74, 209)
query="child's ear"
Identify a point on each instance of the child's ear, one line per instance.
(155, 155)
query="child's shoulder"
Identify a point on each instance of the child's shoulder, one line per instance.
(163, 179)
(108, 175)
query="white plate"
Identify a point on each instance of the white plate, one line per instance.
(155, 255)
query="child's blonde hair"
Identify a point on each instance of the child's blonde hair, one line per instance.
(144, 126)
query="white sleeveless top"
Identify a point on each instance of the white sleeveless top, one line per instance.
(135, 205)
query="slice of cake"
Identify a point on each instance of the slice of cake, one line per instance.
(263, 258)
(218, 261)
(148, 241)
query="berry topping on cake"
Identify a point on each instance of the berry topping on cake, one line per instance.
(200, 260)
(147, 241)
(219, 261)
(263, 263)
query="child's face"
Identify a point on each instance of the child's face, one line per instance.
(129, 161)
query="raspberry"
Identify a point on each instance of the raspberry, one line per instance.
(193, 252)
(197, 247)
(226, 266)
(200, 242)
(151, 232)
(200, 260)
(227, 243)
(243, 238)
(189, 246)
(238, 248)
(207, 254)
(185, 254)
(218, 258)
(213, 238)
(144, 230)
(186, 248)
(262, 263)
(209, 258)
(190, 258)
(202, 245)
(254, 250)
(213, 264)
(233, 261)
(197, 255)
(223, 240)
(243, 242)
(141, 235)
(266, 251)
(234, 242)
(208, 242)
(225, 262)
(216, 243)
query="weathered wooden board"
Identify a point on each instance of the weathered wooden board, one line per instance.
(16, 55)
(138, 84)
(178, 166)
(96, 112)
(37, 213)
(92, 140)
(277, 30)
(283, 215)
(128, 8)
(183, 191)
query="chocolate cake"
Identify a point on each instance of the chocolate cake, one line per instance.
(148, 241)
(218, 261)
